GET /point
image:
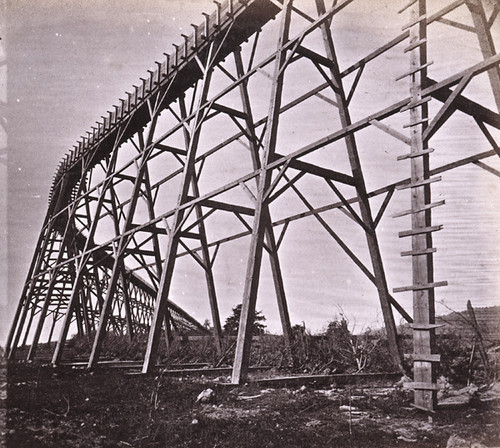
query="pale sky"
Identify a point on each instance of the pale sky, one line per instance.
(69, 62)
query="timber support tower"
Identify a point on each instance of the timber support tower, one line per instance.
(197, 148)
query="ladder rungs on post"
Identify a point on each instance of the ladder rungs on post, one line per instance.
(425, 357)
(415, 154)
(415, 45)
(411, 105)
(420, 287)
(419, 184)
(414, 70)
(415, 253)
(425, 327)
(421, 209)
(414, 22)
(415, 123)
(421, 386)
(420, 230)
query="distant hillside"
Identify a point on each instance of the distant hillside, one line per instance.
(488, 320)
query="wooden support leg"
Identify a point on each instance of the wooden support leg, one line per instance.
(209, 276)
(242, 355)
(270, 239)
(424, 372)
(364, 205)
(174, 236)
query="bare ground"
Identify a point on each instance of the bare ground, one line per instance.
(49, 407)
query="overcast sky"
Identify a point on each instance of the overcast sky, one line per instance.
(68, 63)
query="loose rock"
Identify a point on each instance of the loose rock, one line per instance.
(206, 396)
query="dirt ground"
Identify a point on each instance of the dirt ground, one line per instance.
(49, 407)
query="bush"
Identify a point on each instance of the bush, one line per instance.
(334, 350)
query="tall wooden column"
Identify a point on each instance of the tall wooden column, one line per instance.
(178, 220)
(270, 237)
(242, 355)
(364, 205)
(424, 350)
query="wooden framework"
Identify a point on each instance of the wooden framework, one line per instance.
(134, 195)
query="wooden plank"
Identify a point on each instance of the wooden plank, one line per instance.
(458, 25)
(391, 131)
(446, 110)
(422, 386)
(416, 123)
(414, 70)
(445, 10)
(228, 110)
(319, 171)
(415, 253)
(421, 209)
(425, 327)
(487, 168)
(419, 231)
(190, 235)
(414, 22)
(228, 207)
(383, 207)
(124, 177)
(181, 152)
(467, 106)
(425, 357)
(454, 79)
(413, 104)
(313, 56)
(415, 45)
(374, 54)
(420, 287)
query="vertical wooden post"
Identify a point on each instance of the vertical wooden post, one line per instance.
(270, 238)
(209, 276)
(424, 372)
(242, 355)
(126, 304)
(175, 233)
(479, 339)
(364, 205)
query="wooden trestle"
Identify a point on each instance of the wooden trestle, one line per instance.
(117, 224)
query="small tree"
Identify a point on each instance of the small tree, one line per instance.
(233, 322)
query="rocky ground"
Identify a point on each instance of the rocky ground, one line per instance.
(107, 408)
